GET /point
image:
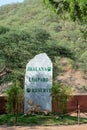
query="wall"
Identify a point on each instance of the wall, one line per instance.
(82, 99)
(72, 104)
(2, 104)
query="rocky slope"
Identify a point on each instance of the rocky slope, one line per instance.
(74, 78)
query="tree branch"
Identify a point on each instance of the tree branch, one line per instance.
(4, 71)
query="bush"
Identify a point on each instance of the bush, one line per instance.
(62, 94)
(14, 97)
(3, 30)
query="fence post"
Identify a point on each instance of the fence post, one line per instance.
(78, 114)
(77, 108)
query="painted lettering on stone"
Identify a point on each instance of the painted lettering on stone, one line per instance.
(38, 82)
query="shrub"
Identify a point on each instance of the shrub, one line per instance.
(14, 97)
(62, 94)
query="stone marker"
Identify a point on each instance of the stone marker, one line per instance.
(38, 82)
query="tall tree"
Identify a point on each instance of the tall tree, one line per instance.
(77, 9)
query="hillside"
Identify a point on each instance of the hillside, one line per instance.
(29, 28)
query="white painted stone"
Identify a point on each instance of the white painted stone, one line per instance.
(38, 82)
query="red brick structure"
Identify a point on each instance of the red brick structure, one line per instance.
(72, 104)
(2, 104)
(82, 100)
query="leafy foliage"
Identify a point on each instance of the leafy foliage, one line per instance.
(14, 96)
(17, 47)
(3, 30)
(28, 29)
(62, 94)
(77, 9)
(83, 60)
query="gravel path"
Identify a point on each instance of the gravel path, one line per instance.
(74, 127)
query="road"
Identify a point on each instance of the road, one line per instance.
(73, 127)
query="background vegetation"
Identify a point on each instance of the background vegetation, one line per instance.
(31, 27)
(75, 9)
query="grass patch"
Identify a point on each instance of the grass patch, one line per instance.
(30, 120)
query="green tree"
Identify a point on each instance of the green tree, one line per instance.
(14, 54)
(17, 47)
(77, 9)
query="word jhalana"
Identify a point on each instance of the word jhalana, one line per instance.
(39, 69)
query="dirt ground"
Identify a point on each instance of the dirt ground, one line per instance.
(73, 127)
(83, 115)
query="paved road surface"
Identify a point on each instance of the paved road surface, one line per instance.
(74, 127)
